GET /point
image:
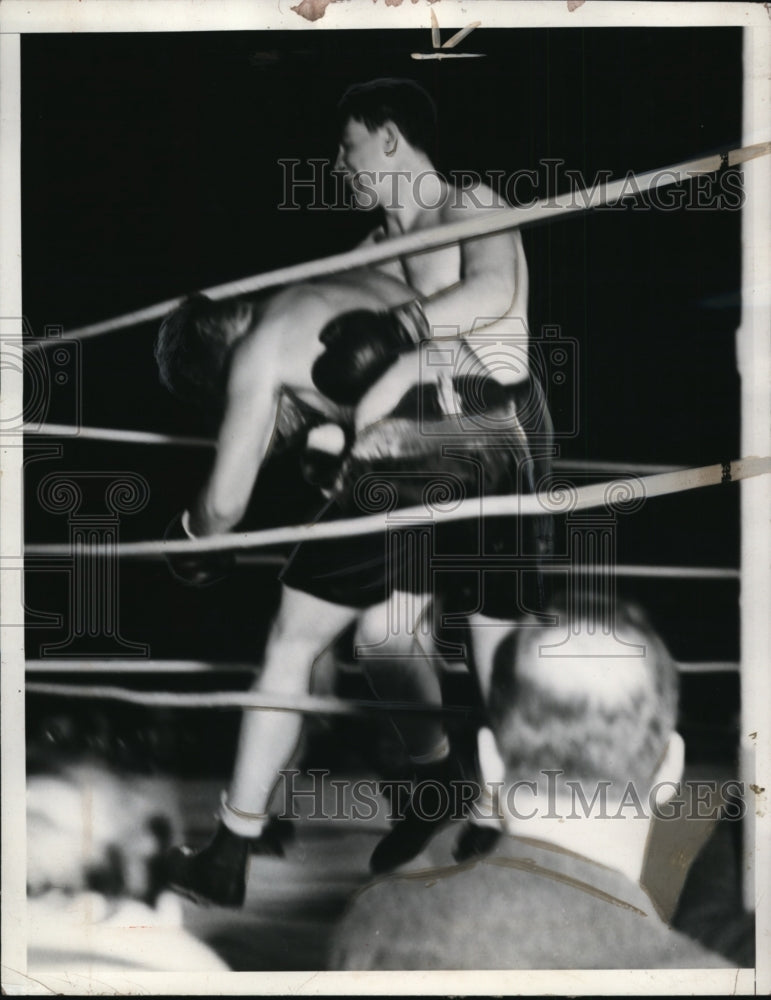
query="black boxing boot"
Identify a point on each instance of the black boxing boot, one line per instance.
(475, 841)
(215, 874)
(426, 812)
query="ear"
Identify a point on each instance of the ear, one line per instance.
(491, 764)
(390, 138)
(673, 761)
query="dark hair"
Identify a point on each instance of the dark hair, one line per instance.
(403, 102)
(538, 726)
(193, 347)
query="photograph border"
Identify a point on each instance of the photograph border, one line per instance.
(17, 18)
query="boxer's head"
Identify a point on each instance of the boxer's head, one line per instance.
(403, 103)
(194, 344)
(382, 124)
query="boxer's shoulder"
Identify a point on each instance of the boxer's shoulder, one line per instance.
(477, 197)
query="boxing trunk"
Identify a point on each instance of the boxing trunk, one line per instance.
(442, 444)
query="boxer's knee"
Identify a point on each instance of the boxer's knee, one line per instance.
(303, 627)
(288, 664)
(390, 627)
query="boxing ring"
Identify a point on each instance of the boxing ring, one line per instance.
(624, 489)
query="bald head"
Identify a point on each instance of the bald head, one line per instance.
(584, 709)
(591, 671)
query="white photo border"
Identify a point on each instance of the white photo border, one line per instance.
(18, 17)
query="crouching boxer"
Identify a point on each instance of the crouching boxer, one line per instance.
(250, 364)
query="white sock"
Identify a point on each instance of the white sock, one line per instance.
(486, 810)
(243, 824)
(434, 756)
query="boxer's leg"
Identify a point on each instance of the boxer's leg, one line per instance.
(486, 635)
(304, 626)
(392, 652)
(399, 669)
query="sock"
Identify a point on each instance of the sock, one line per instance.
(434, 756)
(486, 810)
(243, 824)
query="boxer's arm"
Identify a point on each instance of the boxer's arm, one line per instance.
(391, 268)
(493, 275)
(244, 437)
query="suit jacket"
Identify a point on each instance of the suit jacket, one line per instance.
(527, 905)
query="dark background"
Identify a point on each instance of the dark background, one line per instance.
(150, 169)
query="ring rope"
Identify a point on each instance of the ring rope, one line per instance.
(305, 704)
(708, 667)
(614, 468)
(431, 239)
(614, 493)
(118, 435)
(554, 568)
(112, 666)
(121, 435)
(30, 562)
(659, 572)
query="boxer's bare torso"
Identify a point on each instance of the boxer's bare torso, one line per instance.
(277, 354)
(499, 342)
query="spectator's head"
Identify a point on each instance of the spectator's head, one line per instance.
(194, 344)
(597, 703)
(90, 828)
(403, 104)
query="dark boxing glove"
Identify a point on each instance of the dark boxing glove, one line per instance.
(196, 569)
(362, 345)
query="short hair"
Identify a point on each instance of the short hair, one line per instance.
(619, 738)
(192, 348)
(387, 99)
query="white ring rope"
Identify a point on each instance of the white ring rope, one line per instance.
(121, 435)
(614, 468)
(118, 435)
(55, 665)
(41, 563)
(709, 667)
(305, 704)
(112, 666)
(555, 567)
(487, 224)
(613, 494)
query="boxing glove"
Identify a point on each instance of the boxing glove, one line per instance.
(325, 449)
(196, 569)
(360, 346)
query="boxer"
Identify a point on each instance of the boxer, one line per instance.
(351, 352)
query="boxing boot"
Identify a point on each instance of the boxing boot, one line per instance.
(425, 813)
(216, 873)
(475, 841)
